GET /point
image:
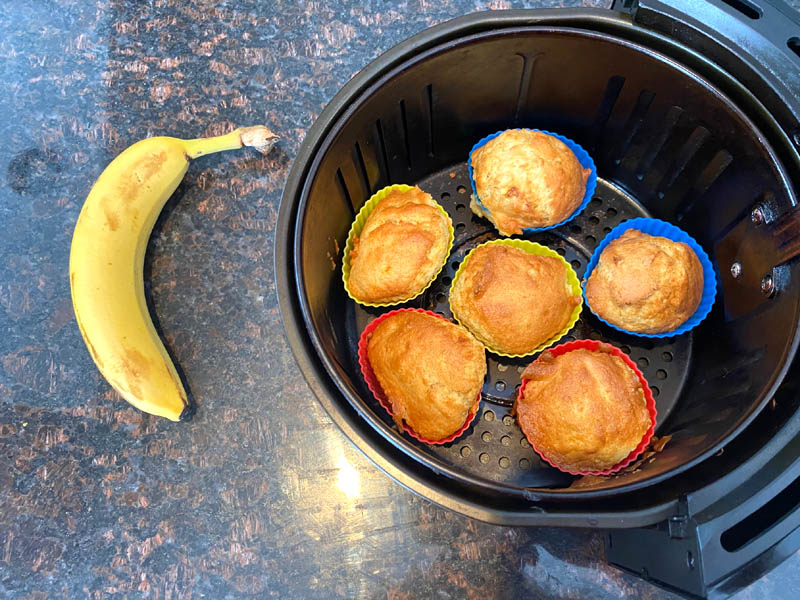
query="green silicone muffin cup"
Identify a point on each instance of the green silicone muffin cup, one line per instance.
(358, 226)
(539, 250)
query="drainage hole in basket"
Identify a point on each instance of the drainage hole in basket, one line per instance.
(524, 443)
(501, 367)
(594, 220)
(606, 229)
(643, 363)
(505, 440)
(484, 458)
(596, 202)
(561, 251)
(461, 189)
(611, 212)
(508, 421)
(504, 462)
(666, 356)
(447, 281)
(460, 227)
(576, 264)
(456, 264)
(590, 239)
(575, 228)
(466, 451)
(500, 386)
(460, 207)
(661, 374)
(488, 416)
(440, 297)
(524, 463)
(625, 349)
(445, 196)
(486, 436)
(655, 391)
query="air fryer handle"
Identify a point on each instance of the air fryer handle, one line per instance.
(768, 39)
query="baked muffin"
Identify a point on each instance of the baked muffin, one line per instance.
(511, 300)
(525, 179)
(645, 284)
(431, 371)
(401, 248)
(583, 410)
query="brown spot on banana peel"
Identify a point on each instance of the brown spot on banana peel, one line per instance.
(135, 364)
(112, 220)
(92, 352)
(130, 184)
(95, 356)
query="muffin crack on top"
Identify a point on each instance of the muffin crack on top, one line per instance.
(526, 179)
(583, 410)
(400, 249)
(645, 284)
(512, 300)
(430, 370)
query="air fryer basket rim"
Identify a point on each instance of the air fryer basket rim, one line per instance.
(315, 141)
(402, 444)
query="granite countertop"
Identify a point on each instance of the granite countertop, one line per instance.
(259, 495)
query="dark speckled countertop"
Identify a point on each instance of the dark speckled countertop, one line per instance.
(259, 495)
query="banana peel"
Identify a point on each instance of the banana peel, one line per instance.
(106, 265)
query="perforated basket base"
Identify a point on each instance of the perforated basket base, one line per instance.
(494, 447)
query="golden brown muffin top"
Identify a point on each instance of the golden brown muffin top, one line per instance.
(402, 246)
(583, 410)
(645, 283)
(527, 179)
(431, 371)
(511, 300)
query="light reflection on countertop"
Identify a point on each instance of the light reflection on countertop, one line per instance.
(348, 479)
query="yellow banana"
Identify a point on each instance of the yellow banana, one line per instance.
(106, 265)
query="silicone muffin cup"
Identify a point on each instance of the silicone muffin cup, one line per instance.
(582, 156)
(595, 345)
(539, 250)
(375, 387)
(668, 230)
(358, 226)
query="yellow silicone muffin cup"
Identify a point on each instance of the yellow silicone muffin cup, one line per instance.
(538, 250)
(358, 226)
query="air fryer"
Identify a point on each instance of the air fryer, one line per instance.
(684, 124)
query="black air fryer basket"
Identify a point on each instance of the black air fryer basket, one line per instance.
(690, 118)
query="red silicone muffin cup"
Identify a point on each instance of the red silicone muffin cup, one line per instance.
(375, 387)
(594, 345)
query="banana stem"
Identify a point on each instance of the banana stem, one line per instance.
(258, 137)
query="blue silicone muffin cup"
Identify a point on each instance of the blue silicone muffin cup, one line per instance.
(669, 231)
(582, 156)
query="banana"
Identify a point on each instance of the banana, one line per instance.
(106, 265)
